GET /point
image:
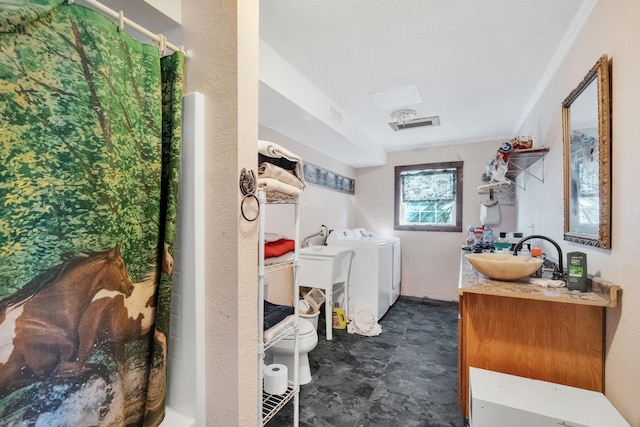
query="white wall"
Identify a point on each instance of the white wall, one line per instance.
(612, 29)
(430, 260)
(223, 37)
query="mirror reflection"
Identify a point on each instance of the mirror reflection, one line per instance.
(584, 190)
(586, 126)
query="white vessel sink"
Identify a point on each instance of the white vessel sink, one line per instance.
(504, 266)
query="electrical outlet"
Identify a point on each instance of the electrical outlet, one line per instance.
(323, 231)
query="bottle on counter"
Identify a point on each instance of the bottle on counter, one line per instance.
(487, 236)
(478, 234)
(470, 236)
(537, 253)
(502, 244)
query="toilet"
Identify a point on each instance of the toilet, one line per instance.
(282, 351)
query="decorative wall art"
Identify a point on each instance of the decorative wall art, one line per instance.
(316, 175)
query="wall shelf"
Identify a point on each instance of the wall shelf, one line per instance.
(519, 163)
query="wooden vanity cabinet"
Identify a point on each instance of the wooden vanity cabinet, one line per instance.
(539, 339)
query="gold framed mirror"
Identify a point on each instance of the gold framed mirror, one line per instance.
(586, 125)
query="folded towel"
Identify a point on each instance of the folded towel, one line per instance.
(281, 162)
(271, 333)
(288, 257)
(363, 322)
(279, 247)
(269, 170)
(274, 313)
(273, 237)
(278, 188)
(271, 149)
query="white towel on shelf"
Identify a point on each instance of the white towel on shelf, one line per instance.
(361, 321)
(270, 333)
(279, 259)
(279, 188)
(269, 170)
(271, 149)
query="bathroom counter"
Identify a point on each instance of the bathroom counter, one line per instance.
(604, 294)
(518, 328)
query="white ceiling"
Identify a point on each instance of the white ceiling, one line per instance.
(477, 64)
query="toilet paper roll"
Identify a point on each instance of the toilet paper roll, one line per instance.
(275, 379)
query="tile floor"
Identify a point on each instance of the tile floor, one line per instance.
(407, 376)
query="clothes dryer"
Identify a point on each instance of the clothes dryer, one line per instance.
(397, 269)
(371, 273)
(396, 272)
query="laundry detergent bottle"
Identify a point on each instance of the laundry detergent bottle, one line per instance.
(338, 318)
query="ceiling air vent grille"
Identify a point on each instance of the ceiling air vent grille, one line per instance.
(416, 123)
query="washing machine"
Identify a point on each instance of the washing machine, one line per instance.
(396, 273)
(371, 278)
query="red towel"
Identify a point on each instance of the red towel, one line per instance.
(279, 247)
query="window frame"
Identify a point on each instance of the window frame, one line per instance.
(457, 227)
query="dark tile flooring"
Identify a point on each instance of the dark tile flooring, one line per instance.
(407, 376)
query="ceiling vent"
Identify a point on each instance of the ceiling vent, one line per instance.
(415, 123)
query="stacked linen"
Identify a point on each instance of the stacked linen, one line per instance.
(277, 249)
(280, 172)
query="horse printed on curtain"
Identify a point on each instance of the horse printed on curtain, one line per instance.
(89, 151)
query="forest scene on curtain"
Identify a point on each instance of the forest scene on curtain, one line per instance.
(89, 160)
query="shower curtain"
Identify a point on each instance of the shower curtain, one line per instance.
(89, 152)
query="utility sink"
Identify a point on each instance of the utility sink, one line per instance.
(504, 266)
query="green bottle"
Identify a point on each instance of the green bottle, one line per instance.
(577, 272)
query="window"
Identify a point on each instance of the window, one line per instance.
(428, 197)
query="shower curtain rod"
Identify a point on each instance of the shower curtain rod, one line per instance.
(162, 41)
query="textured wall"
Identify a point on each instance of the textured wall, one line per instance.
(611, 29)
(224, 67)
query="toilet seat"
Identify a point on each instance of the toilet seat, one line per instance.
(307, 339)
(305, 328)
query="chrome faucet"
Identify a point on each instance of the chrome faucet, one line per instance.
(557, 274)
(306, 240)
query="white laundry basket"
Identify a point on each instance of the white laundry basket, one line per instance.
(311, 317)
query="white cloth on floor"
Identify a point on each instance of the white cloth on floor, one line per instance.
(361, 321)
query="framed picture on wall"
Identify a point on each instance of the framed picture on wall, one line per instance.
(316, 175)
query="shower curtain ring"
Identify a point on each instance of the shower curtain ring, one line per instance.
(250, 196)
(121, 20)
(162, 44)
